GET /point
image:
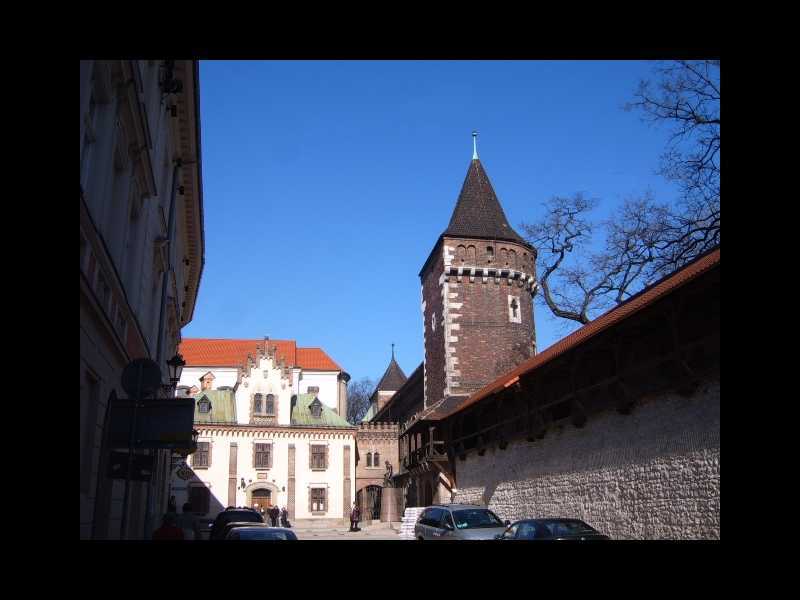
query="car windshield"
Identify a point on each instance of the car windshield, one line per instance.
(265, 534)
(476, 518)
(567, 527)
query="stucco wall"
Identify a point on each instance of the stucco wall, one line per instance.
(327, 383)
(223, 376)
(653, 474)
(216, 476)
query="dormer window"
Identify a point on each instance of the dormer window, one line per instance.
(316, 408)
(204, 406)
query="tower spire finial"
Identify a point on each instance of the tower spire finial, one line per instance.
(474, 145)
(392, 350)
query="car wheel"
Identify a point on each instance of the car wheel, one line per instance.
(420, 539)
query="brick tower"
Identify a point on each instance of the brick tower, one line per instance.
(477, 300)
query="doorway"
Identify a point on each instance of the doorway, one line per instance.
(261, 499)
(372, 502)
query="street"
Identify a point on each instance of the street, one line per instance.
(342, 533)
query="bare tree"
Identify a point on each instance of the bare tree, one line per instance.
(358, 395)
(686, 98)
(643, 239)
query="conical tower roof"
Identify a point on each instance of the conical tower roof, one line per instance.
(393, 379)
(478, 212)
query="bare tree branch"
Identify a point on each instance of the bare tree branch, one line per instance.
(644, 239)
(358, 396)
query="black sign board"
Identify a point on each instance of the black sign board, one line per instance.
(160, 423)
(142, 466)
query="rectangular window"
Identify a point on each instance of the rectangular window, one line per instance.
(269, 407)
(201, 457)
(318, 500)
(318, 456)
(263, 456)
(199, 498)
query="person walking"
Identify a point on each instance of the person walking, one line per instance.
(354, 517)
(284, 517)
(272, 519)
(169, 529)
(188, 523)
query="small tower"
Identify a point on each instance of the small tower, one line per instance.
(392, 380)
(477, 294)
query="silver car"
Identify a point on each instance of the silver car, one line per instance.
(458, 522)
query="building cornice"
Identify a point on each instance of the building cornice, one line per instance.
(277, 431)
(189, 149)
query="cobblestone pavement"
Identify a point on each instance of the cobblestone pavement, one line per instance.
(344, 534)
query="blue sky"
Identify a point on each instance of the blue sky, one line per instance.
(326, 184)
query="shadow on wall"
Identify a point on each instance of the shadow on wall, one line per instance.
(187, 486)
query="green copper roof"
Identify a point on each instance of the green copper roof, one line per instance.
(301, 414)
(371, 411)
(223, 407)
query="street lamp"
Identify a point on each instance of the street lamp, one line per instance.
(175, 364)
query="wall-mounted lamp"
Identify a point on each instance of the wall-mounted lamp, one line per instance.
(243, 484)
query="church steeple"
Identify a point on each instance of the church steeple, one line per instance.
(478, 212)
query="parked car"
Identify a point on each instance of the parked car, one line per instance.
(458, 522)
(231, 515)
(551, 529)
(260, 532)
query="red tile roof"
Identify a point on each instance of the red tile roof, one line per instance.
(645, 298)
(233, 353)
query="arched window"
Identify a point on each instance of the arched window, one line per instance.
(376, 460)
(461, 252)
(269, 407)
(258, 404)
(369, 459)
(471, 254)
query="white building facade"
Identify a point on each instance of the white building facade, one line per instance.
(141, 257)
(270, 430)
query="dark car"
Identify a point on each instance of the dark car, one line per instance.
(260, 532)
(551, 529)
(233, 515)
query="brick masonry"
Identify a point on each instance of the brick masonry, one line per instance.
(653, 474)
(471, 334)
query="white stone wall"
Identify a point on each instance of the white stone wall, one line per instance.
(327, 383)
(224, 376)
(653, 474)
